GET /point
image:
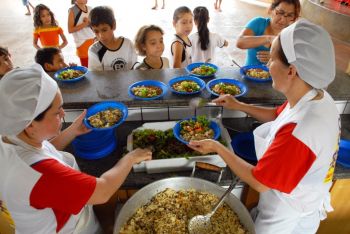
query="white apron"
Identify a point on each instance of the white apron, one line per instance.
(302, 209)
(85, 222)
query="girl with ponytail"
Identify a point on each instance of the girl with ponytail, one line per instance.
(203, 41)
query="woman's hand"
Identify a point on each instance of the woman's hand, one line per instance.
(228, 101)
(263, 56)
(204, 146)
(78, 127)
(138, 155)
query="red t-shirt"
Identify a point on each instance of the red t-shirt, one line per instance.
(286, 161)
(61, 188)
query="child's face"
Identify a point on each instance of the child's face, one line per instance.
(81, 1)
(154, 45)
(184, 25)
(5, 64)
(45, 17)
(57, 63)
(104, 33)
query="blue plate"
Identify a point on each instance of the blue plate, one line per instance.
(79, 68)
(213, 125)
(344, 153)
(244, 69)
(148, 83)
(199, 81)
(243, 145)
(241, 86)
(103, 106)
(192, 66)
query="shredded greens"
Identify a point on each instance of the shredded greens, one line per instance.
(163, 144)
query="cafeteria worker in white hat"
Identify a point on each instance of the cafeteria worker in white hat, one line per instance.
(41, 189)
(297, 145)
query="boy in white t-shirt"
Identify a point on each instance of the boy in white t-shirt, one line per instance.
(109, 52)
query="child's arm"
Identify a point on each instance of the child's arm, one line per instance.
(64, 39)
(71, 27)
(35, 43)
(177, 49)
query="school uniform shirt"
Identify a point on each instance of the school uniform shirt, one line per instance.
(296, 159)
(145, 66)
(85, 33)
(199, 55)
(42, 191)
(186, 52)
(103, 59)
(49, 37)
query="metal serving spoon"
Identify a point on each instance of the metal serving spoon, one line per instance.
(200, 224)
(198, 102)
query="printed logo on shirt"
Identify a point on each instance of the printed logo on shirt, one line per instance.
(5, 215)
(330, 173)
(119, 64)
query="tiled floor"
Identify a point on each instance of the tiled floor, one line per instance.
(16, 28)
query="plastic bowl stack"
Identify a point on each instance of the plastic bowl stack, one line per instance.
(100, 142)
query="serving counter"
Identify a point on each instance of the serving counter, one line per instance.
(102, 86)
(110, 85)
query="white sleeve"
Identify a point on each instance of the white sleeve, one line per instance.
(94, 62)
(220, 41)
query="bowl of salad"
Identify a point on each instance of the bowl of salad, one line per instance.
(147, 90)
(196, 128)
(186, 85)
(105, 115)
(71, 74)
(223, 86)
(257, 73)
(202, 70)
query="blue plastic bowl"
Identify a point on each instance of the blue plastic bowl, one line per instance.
(344, 153)
(94, 153)
(79, 68)
(244, 147)
(241, 86)
(103, 106)
(213, 125)
(199, 81)
(156, 83)
(92, 141)
(192, 66)
(244, 69)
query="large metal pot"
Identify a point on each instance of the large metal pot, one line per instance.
(145, 194)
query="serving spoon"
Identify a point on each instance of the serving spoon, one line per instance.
(198, 102)
(200, 224)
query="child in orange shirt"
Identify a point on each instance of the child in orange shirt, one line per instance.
(47, 29)
(78, 25)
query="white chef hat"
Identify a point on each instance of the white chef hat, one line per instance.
(310, 49)
(24, 94)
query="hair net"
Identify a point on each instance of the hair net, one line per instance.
(310, 49)
(24, 94)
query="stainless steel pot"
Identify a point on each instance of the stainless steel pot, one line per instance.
(145, 194)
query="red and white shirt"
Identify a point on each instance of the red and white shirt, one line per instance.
(296, 158)
(41, 190)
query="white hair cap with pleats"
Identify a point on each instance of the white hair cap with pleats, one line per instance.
(310, 49)
(24, 94)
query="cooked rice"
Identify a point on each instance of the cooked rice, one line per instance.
(170, 211)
